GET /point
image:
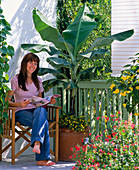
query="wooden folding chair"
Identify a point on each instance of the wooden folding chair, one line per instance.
(24, 132)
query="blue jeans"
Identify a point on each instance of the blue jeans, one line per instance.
(37, 120)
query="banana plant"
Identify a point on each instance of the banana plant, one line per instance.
(67, 46)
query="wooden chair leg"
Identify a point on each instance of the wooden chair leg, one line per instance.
(0, 148)
(13, 139)
(57, 136)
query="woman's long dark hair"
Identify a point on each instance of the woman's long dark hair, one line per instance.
(22, 76)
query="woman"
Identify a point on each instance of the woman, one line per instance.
(25, 85)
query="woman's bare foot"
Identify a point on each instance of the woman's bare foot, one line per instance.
(36, 147)
(45, 163)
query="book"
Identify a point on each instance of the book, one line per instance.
(39, 101)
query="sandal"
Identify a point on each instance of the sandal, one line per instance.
(45, 163)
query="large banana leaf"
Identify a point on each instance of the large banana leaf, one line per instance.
(37, 48)
(47, 31)
(43, 71)
(48, 84)
(69, 85)
(95, 54)
(57, 62)
(105, 41)
(91, 73)
(77, 32)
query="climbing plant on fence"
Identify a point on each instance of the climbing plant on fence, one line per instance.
(6, 51)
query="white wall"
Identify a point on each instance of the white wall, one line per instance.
(19, 14)
(125, 16)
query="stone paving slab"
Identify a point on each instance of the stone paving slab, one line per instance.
(28, 162)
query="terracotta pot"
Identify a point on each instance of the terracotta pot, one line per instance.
(69, 139)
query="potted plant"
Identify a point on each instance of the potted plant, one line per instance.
(72, 131)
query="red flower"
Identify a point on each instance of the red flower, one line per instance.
(107, 140)
(97, 118)
(77, 148)
(94, 146)
(115, 149)
(107, 118)
(109, 136)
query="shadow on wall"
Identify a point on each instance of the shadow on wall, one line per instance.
(23, 30)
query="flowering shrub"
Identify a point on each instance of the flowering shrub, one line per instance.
(73, 122)
(119, 150)
(128, 84)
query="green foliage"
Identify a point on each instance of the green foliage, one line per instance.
(118, 151)
(67, 11)
(5, 51)
(68, 47)
(128, 85)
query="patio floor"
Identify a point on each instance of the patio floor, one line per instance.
(28, 162)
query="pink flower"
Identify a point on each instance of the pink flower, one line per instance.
(132, 125)
(70, 157)
(97, 118)
(89, 134)
(136, 167)
(97, 136)
(110, 164)
(104, 166)
(100, 150)
(79, 163)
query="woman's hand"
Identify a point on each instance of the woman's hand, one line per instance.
(53, 100)
(24, 103)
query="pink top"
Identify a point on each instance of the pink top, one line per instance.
(20, 95)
